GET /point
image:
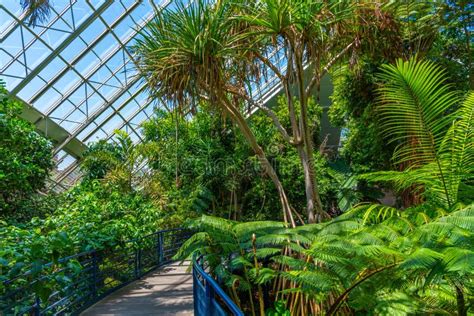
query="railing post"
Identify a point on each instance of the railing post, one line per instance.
(195, 292)
(95, 274)
(138, 259)
(37, 308)
(209, 298)
(160, 248)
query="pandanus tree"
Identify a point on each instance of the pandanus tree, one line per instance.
(37, 10)
(299, 42)
(195, 52)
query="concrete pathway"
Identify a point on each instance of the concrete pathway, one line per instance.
(166, 291)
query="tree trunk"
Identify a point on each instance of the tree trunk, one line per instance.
(462, 310)
(314, 206)
(313, 201)
(239, 120)
(309, 189)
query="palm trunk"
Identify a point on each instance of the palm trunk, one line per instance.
(309, 189)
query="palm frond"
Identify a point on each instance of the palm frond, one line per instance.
(413, 106)
(37, 11)
(434, 143)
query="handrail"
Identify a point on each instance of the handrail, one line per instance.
(75, 282)
(208, 295)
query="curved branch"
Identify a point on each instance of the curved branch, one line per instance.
(268, 111)
(335, 306)
(326, 68)
(270, 65)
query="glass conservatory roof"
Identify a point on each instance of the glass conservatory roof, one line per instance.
(76, 75)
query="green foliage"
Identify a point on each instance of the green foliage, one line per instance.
(25, 162)
(373, 259)
(204, 165)
(37, 11)
(93, 216)
(338, 265)
(287, 161)
(453, 46)
(99, 159)
(279, 309)
(437, 31)
(199, 164)
(434, 142)
(353, 109)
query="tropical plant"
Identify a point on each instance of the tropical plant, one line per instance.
(118, 163)
(432, 128)
(299, 42)
(398, 265)
(194, 54)
(37, 10)
(373, 259)
(25, 162)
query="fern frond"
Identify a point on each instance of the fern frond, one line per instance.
(245, 230)
(413, 105)
(313, 280)
(459, 260)
(263, 253)
(422, 258)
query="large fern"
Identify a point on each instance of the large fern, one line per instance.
(333, 267)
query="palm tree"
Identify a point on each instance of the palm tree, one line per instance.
(37, 10)
(373, 258)
(310, 33)
(195, 53)
(117, 163)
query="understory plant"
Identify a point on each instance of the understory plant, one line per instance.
(397, 266)
(374, 259)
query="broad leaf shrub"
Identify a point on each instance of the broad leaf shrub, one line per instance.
(94, 217)
(25, 162)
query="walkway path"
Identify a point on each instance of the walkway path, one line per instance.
(166, 291)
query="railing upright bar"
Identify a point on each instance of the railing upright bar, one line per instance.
(139, 262)
(195, 291)
(37, 307)
(160, 247)
(95, 270)
(209, 298)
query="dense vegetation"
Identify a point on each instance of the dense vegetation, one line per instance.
(373, 258)
(383, 227)
(25, 161)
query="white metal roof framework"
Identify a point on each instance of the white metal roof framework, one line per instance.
(76, 76)
(75, 73)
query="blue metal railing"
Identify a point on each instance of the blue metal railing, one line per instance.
(209, 298)
(74, 283)
(71, 284)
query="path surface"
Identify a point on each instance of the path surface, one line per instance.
(166, 291)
